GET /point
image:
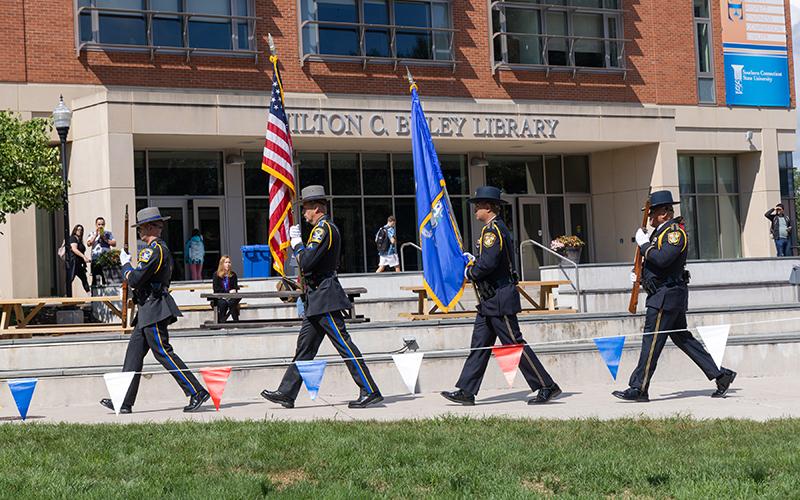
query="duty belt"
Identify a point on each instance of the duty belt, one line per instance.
(313, 280)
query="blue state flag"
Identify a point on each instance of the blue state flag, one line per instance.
(442, 255)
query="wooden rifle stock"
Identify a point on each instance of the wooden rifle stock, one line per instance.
(125, 281)
(637, 264)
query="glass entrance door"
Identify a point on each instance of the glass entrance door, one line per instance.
(175, 233)
(208, 217)
(580, 224)
(532, 214)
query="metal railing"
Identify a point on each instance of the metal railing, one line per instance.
(403, 247)
(576, 285)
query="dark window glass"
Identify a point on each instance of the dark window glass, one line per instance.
(557, 45)
(181, 173)
(535, 175)
(507, 173)
(313, 170)
(376, 211)
(413, 44)
(579, 226)
(376, 40)
(462, 215)
(345, 174)
(348, 217)
(552, 167)
(701, 8)
(689, 214)
(173, 235)
(704, 174)
(139, 174)
(85, 21)
(455, 172)
(256, 212)
(256, 181)
(556, 223)
(403, 171)
(576, 174)
(122, 28)
(589, 51)
(167, 30)
(210, 32)
(406, 214)
(685, 177)
(376, 174)
(334, 39)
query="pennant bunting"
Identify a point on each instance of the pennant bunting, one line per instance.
(22, 391)
(311, 372)
(215, 379)
(117, 384)
(508, 357)
(408, 365)
(715, 338)
(610, 349)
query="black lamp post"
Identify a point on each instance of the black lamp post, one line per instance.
(61, 119)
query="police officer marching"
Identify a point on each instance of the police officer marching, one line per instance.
(156, 310)
(324, 302)
(665, 279)
(495, 279)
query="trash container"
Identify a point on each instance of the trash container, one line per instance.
(257, 261)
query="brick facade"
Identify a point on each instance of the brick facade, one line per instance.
(38, 46)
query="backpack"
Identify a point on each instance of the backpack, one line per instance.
(197, 249)
(62, 252)
(382, 240)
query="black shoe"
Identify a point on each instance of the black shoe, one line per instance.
(196, 401)
(110, 405)
(460, 396)
(545, 394)
(632, 394)
(365, 400)
(278, 397)
(724, 382)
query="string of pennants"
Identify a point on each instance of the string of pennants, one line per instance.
(715, 338)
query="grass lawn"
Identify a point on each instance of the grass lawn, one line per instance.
(451, 457)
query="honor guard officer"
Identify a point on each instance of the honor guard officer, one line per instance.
(495, 279)
(665, 279)
(324, 302)
(156, 310)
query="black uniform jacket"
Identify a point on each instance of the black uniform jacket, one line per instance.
(318, 260)
(494, 264)
(664, 263)
(149, 282)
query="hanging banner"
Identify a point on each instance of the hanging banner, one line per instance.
(508, 357)
(715, 338)
(408, 365)
(311, 372)
(215, 379)
(22, 392)
(117, 384)
(755, 54)
(610, 349)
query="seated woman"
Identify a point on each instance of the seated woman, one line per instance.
(226, 281)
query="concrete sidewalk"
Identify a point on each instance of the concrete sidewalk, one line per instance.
(749, 398)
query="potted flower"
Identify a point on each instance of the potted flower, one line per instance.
(570, 246)
(112, 267)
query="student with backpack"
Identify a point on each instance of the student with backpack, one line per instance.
(195, 253)
(386, 241)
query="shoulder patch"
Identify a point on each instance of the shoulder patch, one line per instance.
(145, 254)
(317, 235)
(489, 239)
(674, 237)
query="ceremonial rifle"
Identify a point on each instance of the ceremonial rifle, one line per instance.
(125, 281)
(637, 264)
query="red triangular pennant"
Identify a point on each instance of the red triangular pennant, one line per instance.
(508, 357)
(215, 379)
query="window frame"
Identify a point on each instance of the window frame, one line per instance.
(392, 29)
(185, 17)
(705, 75)
(500, 62)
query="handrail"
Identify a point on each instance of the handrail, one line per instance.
(576, 286)
(402, 247)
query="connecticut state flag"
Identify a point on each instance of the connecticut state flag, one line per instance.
(442, 255)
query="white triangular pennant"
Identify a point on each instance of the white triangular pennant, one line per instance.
(408, 365)
(117, 384)
(715, 337)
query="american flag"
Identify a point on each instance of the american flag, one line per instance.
(277, 162)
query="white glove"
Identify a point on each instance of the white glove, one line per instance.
(295, 241)
(468, 258)
(294, 232)
(633, 277)
(124, 258)
(466, 273)
(642, 237)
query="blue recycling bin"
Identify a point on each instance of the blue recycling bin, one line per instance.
(257, 261)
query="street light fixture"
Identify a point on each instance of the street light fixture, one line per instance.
(62, 116)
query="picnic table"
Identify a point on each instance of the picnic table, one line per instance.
(350, 315)
(23, 328)
(545, 304)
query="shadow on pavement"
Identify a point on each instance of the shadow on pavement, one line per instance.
(706, 393)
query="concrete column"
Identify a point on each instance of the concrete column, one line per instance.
(759, 186)
(234, 225)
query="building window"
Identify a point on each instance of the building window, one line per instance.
(368, 188)
(709, 188)
(576, 34)
(167, 26)
(705, 61)
(378, 30)
(788, 189)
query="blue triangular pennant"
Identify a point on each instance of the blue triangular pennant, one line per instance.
(22, 391)
(611, 350)
(311, 372)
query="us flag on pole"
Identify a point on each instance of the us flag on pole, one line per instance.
(277, 162)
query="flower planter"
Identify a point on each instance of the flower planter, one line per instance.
(573, 254)
(112, 274)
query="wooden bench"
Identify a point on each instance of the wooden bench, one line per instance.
(545, 305)
(23, 328)
(194, 288)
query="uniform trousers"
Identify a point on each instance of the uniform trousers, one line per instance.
(314, 329)
(156, 338)
(485, 331)
(652, 345)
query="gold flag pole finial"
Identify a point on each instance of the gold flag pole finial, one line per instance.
(411, 83)
(273, 51)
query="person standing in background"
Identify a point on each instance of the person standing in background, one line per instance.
(77, 257)
(780, 229)
(386, 241)
(101, 241)
(195, 253)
